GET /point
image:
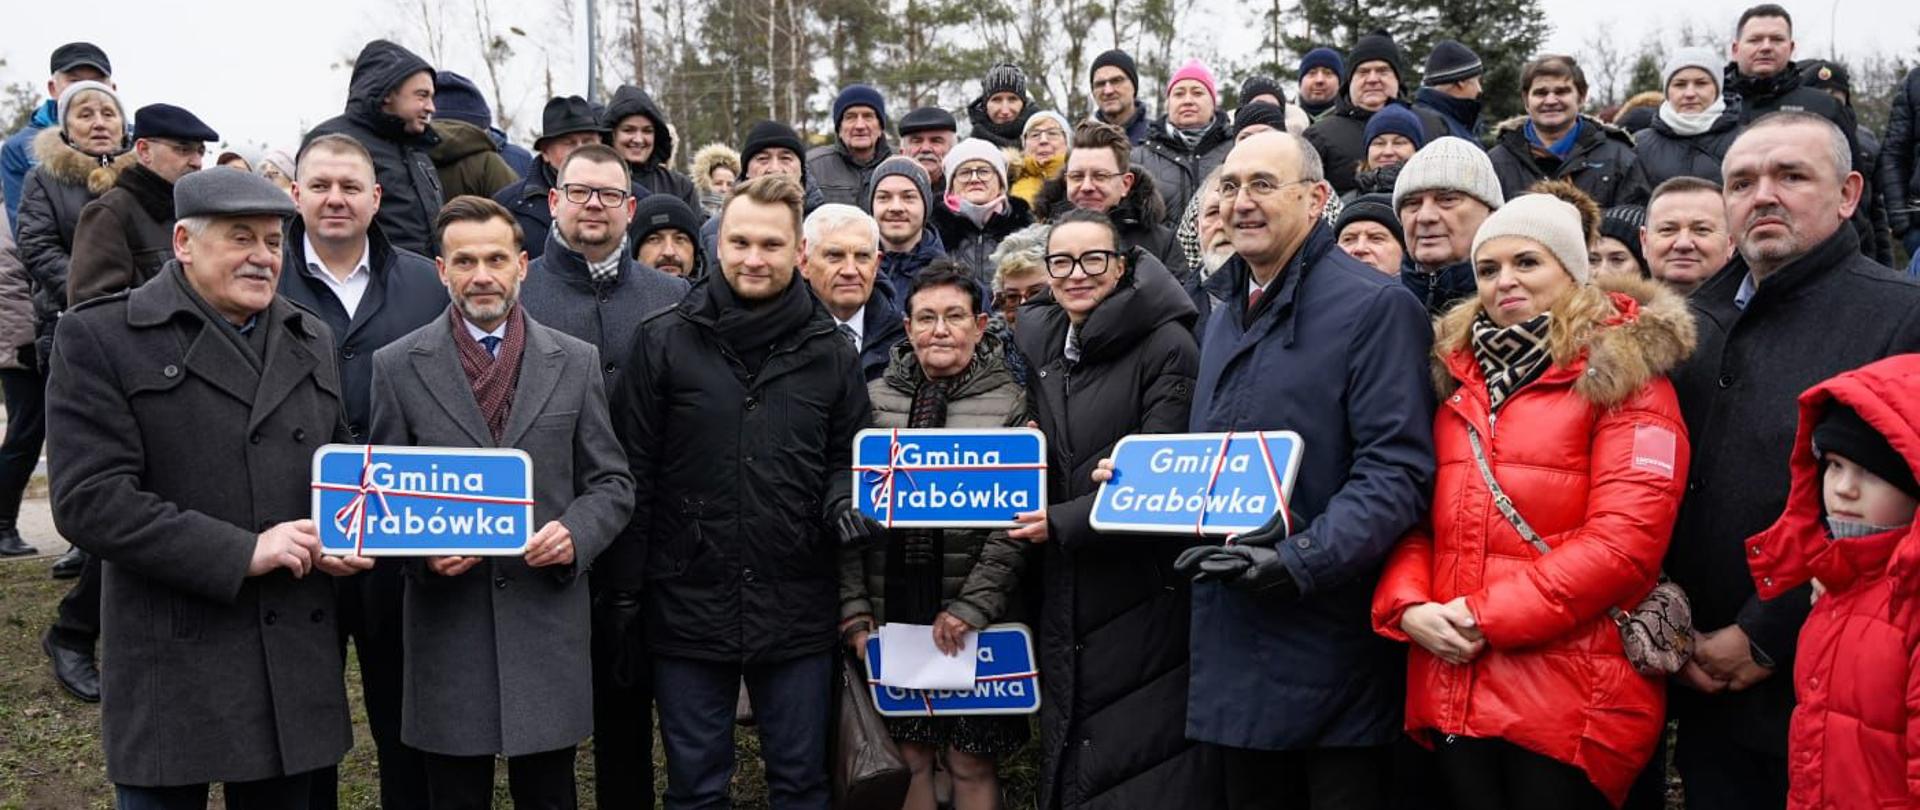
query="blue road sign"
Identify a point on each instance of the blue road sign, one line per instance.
(1197, 483)
(955, 479)
(418, 501)
(1005, 681)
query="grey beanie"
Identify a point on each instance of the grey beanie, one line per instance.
(905, 167)
(1693, 57)
(1547, 220)
(1450, 164)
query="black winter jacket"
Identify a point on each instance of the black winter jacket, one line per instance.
(1141, 216)
(735, 476)
(973, 246)
(1602, 164)
(1900, 158)
(1664, 154)
(1005, 136)
(655, 174)
(1438, 292)
(410, 192)
(403, 293)
(56, 191)
(1340, 137)
(1830, 311)
(1114, 623)
(1178, 169)
(1787, 90)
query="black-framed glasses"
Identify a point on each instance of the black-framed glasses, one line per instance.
(1092, 262)
(579, 194)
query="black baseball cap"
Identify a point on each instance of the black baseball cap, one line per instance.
(80, 54)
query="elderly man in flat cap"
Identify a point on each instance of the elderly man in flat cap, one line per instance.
(126, 234)
(181, 420)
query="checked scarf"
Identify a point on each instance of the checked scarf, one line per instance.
(493, 379)
(1511, 356)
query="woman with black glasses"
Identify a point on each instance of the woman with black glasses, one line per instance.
(1111, 353)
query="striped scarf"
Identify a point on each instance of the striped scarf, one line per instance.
(1511, 356)
(492, 378)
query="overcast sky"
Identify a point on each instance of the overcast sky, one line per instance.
(263, 71)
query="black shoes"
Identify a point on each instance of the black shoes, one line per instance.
(13, 545)
(76, 671)
(69, 564)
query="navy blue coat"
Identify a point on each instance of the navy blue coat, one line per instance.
(1338, 355)
(881, 326)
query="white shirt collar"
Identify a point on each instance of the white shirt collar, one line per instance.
(314, 266)
(476, 333)
(858, 323)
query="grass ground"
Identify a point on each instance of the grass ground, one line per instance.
(50, 754)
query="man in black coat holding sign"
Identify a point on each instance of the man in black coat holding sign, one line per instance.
(738, 409)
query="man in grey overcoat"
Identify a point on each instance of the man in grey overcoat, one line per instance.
(498, 658)
(181, 422)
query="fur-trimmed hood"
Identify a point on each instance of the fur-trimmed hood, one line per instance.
(1614, 336)
(73, 167)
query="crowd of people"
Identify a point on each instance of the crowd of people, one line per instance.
(1548, 372)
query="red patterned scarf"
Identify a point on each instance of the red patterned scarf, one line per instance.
(493, 379)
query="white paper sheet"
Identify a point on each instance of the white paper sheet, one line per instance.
(909, 659)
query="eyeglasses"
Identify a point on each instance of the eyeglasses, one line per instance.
(1048, 134)
(1103, 178)
(1011, 299)
(955, 321)
(579, 194)
(1258, 187)
(184, 147)
(975, 173)
(1092, 262)
(1114, 81)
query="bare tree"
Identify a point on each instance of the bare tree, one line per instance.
(1605, 62)
(430, 18)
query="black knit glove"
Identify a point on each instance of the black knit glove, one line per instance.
(858, 530)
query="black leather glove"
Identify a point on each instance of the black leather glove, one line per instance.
(858, 530)
(1271, 533)
(1249, 568)
(619, 631)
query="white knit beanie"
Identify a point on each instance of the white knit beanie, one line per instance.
(976, 149)
(73, 90)
(1546, 220)
(1450, 164)
(1694, 57)
(1047, 115)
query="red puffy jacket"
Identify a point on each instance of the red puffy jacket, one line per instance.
(1594, 455)
(1855, 738)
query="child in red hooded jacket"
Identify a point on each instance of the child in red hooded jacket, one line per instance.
(1848, 525)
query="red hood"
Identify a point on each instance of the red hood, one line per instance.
(1886, 394)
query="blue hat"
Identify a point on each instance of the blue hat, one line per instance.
(859, 95)
(1398, 119)
(168, 121)
(457, 97)
(1323, 57)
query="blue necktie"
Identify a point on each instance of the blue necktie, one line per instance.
(492, 343)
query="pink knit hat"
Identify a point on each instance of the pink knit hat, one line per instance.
(1196, 70)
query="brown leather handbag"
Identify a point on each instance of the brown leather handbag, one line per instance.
(1657, 634)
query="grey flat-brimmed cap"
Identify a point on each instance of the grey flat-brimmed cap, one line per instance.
(223, 191)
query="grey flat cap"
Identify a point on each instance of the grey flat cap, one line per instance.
(223, 191)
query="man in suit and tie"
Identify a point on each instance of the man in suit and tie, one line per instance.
(497, 649)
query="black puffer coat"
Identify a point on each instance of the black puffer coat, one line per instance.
(1341, 137)
(1114, 625)
(1177, 169)
(629, 101)
(973, 246)
(1665, 154)
(1141, 216)
(1602, 163)
(735, 477)
(66, 180)
(1900, 158)
(410, 192)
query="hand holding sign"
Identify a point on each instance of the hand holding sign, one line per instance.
(552, 545)
(343, 565)
(451, 566)
(293, 545)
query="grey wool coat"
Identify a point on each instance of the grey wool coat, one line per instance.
(497, 658)
(169, 453)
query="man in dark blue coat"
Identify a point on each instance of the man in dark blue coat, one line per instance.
(1286, 677)
(339, 265)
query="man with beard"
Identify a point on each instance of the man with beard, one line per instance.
(1116, 88)
(840, 169)
(126, 235)
(1321, 73)
(668, 230)
(927, 135)
(899, 200)
(566, 123)
(1685, 239)
(1797, 306)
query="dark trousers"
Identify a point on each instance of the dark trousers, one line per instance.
(542, 781)
(369, 615)
(1720, 772)
(622, 704)
(790, 707)
(26, 393)
(278, 793)
(1312, 779)
(1493, 774)
(76, 625)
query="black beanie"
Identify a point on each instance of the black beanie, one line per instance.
(768, 135)
(1120, 59)
(1841, 430)
(1623, 222)
(1259, 112)
(1371, 208)
(1378, 46)
(1260, 86)
(1452, 62)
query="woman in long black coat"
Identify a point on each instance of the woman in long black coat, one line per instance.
(1112, 353)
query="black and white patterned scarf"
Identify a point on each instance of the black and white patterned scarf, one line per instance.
(1510, 356)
